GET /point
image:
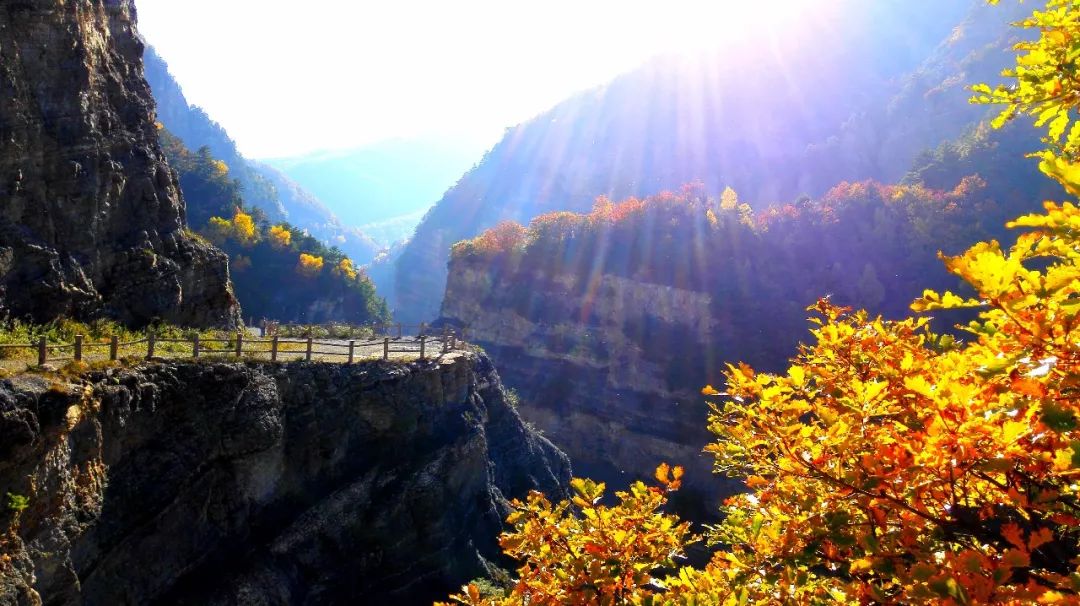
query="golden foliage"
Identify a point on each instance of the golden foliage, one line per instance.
(505, 237)
(241, 228)
(584, 552)
(218, 230)
(280, 236)
(309, 265)
(244, 230)
(729, 200)
(1044, 85)
(346, 269)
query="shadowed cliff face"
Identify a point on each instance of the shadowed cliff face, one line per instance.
(91, 219)
(258, 484)
(617, 401)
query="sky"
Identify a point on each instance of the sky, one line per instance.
(290, 77)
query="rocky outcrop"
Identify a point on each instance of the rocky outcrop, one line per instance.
(91, 218)
(616, 400)
(182, 483)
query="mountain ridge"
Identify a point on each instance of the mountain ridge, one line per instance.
(758, 128)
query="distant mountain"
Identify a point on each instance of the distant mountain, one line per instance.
(264, 187)
(842, 99)
(387, 185)
(307, 212)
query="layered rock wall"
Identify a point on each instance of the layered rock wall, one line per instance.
(91, 217)
(258, 484)
(609, 368)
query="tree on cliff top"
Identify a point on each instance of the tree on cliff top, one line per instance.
(888, 464)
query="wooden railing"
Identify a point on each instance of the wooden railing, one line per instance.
(348, 331)
(273, 348)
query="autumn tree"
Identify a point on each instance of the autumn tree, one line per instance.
(729, 200)
(1043, 84)
(218, 230)
(280, 236)
(582, 551)
(309, 265)
(346, 269)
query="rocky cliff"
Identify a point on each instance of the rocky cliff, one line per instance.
(617, 402)
(91, 218)
(181, 483)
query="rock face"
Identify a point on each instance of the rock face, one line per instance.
(225, 483)
(617, 407)
(91, 218)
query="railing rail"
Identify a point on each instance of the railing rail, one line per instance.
(376, 342)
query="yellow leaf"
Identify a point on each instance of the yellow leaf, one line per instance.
(797, 375)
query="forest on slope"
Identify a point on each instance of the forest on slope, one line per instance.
(864, 244)
(773, 122)
(279, 271)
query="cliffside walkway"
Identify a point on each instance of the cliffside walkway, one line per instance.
(270, 343)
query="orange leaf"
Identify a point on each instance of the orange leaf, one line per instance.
(1040, 537)
(756, 482)
(662, 473)
(1029, 387)
(1014, 535)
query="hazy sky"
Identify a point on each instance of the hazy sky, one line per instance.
(287, 77)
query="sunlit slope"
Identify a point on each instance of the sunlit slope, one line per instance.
(787, 115)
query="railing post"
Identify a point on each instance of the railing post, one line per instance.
(273, 349)
(195, 346)
(78, 348)
(150, 338)
(308, 355)
(239, 343)
(386, 348)
(114, 348)
(463, 341)
(422, 339)
(41, 351)
(423, 327)
(399, 330)
(352, 348)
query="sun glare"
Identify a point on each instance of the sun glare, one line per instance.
(694, 26)
(372, 69)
